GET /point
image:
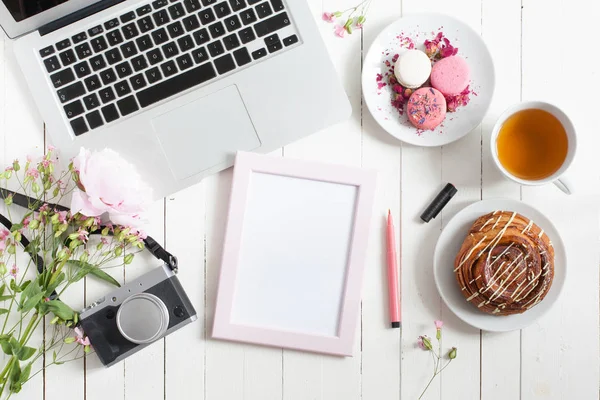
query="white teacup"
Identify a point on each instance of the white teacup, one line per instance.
(558, 178)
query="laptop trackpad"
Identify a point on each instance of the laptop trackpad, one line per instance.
(206, 132)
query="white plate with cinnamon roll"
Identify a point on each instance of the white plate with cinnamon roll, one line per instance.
(499, 264)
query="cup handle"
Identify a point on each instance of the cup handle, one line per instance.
(564, 184)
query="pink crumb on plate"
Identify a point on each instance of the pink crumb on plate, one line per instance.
(450, 75)
(426, 108)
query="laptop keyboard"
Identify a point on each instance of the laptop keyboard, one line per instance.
(126, 64)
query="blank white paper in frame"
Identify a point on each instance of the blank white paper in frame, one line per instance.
(294, 251)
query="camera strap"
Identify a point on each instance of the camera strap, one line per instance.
(34, 205)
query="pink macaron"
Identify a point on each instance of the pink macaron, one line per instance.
(426, 108)
(450, 75)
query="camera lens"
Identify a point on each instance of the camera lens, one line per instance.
(110, 314)
(178, 311)
(142, 318)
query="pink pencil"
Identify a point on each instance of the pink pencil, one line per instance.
(392, 264)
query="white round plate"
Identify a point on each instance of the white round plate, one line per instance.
(449, 244)
(420, 27)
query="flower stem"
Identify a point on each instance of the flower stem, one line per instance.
(427, 387)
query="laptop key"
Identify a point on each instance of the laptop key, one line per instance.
(175, 29)
(113, 23)
(290, 40)
(96, 30)
(208, 2)
(272, 39)
(80, 37)
(144, 42)
(201, 36)
(161, 17)
(277, 5)
(263, 10)
(91, 101)
(176, 11)
(246, 35)
(113, 56)
(252, 2)
(92, 83)
(108, 76)
(52, 64)
(168, 68)
(272, 24)
(225, 64)
(94, 119)
(160, 36)
(127, 105)
(110, 113)
(275, 47)
(99, 44)
(130, 31)
(139, 63)
(242, 57)
(231, 42)
(216, 30)
(97, 62)
(260, 53)
(74, 109)
(114, 37)
(123, 70)
(130, 16)
(200, 55)
(122, 88)
(107, 95)
(248, 16)
(184, 62)
(222, 9)
(154, 56)
(79, 127)
(71, 92)
(82, 69)
(153, 75)
(159, 3)
(68, 57)
(63, 77)
(191, 23)
(128, 49)
(143, 10)
(191, 5)
(207, 16)
(137, 81)
(233, 23)
(215, 48)
(185, 43)
(83, 51)
(170, 50)
(145, 24)
(175, 85)
(46, 51)
(63, 44)
(237, 5)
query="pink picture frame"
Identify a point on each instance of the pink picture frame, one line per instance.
(294, 254)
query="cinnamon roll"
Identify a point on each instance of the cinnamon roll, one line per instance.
(506, 264)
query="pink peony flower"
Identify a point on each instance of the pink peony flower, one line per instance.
(62, 216)
(26, 221)
(34, 173)
(340, 31)
(109, 184)
(438, 324)
(80, 338)
(14, 271)
(328, 17)
(4, 233)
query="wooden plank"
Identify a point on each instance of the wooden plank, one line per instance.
(552, 348)
(381, 345)
(184, 357)
(501, 353)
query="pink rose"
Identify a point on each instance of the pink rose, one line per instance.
(109, 185)
(340, 31)
(328, 17)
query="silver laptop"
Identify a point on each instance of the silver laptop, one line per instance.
(175, 86)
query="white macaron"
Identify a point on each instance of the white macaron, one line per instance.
(412, 68)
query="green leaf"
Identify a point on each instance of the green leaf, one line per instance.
(93, 270)
(15, 375)
(60, 309)
(69, 340)
(6, 347)
(52, 287)
(32, 302)
(25, 353)
(15, 346)
(54, 356)
(2, 289)
(16, 227)
(25, 373)
(4, 298)
(3, 311)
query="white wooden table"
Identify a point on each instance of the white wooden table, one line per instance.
(536, 46)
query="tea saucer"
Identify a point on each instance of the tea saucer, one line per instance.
(420, 27)
(449, 244)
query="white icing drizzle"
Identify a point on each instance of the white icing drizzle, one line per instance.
(528, 227)
(541, 233)
(465, 258)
